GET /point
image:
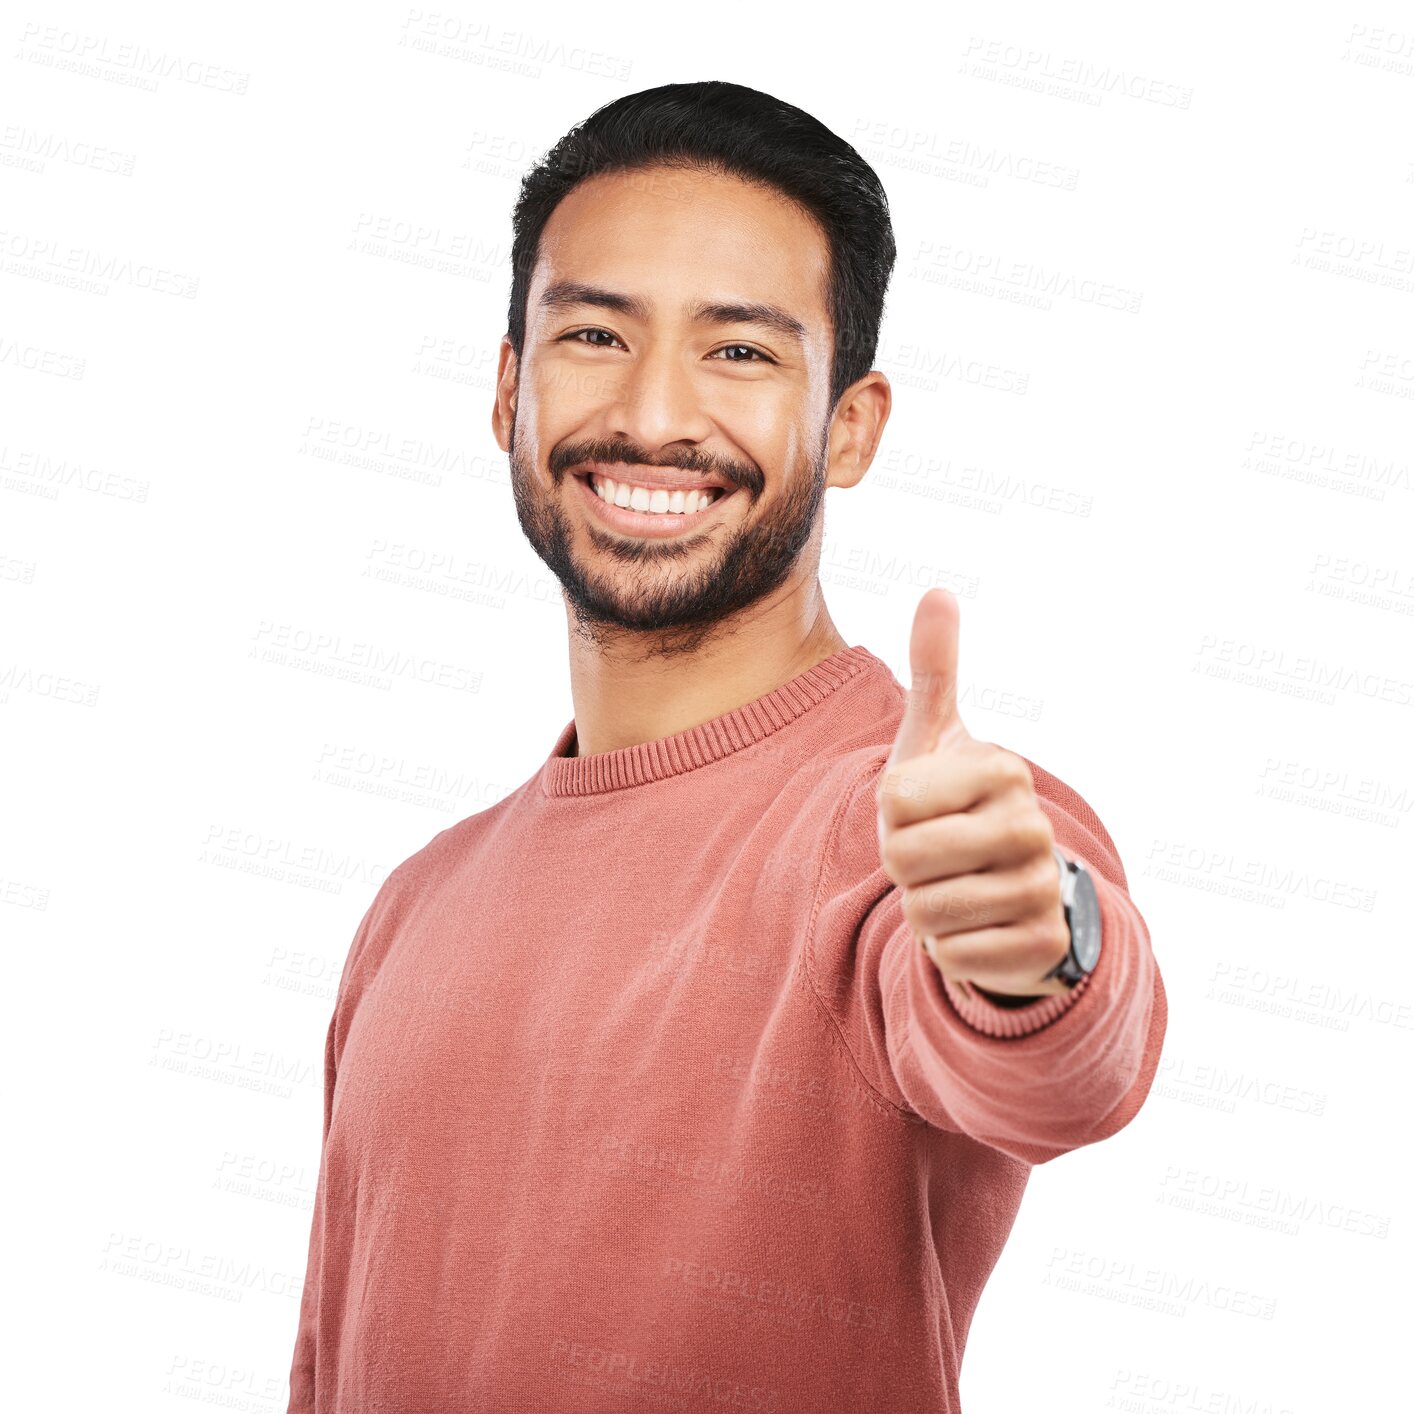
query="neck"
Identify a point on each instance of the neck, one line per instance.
(628, 688)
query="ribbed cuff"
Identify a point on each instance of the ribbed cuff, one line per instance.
(994, 1020)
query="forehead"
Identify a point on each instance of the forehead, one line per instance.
(674, 236)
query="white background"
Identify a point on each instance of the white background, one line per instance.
(1151, 345)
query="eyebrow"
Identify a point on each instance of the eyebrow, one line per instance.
(566, 294)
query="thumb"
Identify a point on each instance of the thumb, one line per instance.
(930, 719)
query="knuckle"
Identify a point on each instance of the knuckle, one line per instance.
(893, 787)
(931, 904)
(911, 785)
(1021, 840)
(1009, 769)
(912, 914)
(997, 772)
(1043, 883)
(947, 902)
(1053, 943)
(944, 950)
(1040, 834)
(893, 853)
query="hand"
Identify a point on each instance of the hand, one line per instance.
(963, 835)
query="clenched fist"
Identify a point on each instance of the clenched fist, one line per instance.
(963, 835)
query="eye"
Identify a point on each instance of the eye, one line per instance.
(577, 335)
(758, 356)
(578, 332)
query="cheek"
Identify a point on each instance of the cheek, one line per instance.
(753, 409)
(573, 391)
(766, 431)
(790, 449)
(559, 394)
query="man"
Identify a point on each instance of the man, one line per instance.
(708, 1067)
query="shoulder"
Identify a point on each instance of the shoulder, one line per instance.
(449, 849)
(438, 864)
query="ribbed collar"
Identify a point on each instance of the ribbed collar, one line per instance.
(708, 741)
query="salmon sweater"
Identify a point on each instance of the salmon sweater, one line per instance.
(640, 1093)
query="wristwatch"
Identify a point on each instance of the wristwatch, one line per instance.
(1082, 913)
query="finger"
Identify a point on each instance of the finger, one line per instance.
(930, 719)
(1011, 960)
(1026, 895)
(964, 842)
(924, 787)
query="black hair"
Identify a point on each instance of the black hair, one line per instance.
(726, 127)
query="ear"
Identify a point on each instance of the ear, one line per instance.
(503, 410)
(856, 428)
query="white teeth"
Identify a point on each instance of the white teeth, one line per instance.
(657, 500)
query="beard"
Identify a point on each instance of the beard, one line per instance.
(677, 590)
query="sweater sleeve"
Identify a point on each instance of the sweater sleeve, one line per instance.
(302, 1368)
(1035, 1080)
(306, 1351)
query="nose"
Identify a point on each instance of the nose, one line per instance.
(656, 401)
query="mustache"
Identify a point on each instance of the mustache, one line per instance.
(689, 459)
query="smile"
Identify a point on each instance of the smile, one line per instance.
(649, 510)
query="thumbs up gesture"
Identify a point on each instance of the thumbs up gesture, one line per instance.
(963, 835)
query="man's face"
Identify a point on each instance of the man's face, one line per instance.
(624, 367)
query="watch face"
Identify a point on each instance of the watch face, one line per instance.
(1085, 921)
